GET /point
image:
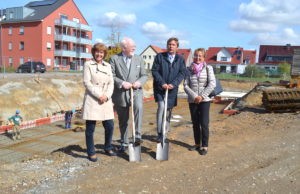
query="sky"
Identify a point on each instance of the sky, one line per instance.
(197, 23)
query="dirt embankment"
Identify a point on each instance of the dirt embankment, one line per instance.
(38, 97)
(41, 96)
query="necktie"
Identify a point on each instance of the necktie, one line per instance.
(171, 58)
(128, 62)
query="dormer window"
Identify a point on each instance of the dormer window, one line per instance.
(223, 58)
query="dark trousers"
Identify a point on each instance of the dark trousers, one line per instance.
(200, 118)
(89, 135)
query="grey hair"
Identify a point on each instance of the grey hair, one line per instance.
(124, 42)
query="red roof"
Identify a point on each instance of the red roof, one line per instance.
(184, 52)
(275, 50)
(238, 55)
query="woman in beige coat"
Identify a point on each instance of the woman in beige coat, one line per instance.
(97, 104)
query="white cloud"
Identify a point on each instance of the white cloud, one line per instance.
(99, 40)
(251, 26)
(266, 15)
(159, 33)
(286, 36)
(112, 19)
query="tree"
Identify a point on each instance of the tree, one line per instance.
(254, 71)
(112, 50)
(284, 68)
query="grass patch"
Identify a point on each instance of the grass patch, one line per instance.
(227, 76)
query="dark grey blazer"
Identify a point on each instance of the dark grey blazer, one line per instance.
(137, 72)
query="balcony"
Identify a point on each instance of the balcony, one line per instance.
(68, 53)
(73, 39)
(65, 22)
(65, 53)
(84, 55)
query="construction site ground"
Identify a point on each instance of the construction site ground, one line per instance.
(249, 152)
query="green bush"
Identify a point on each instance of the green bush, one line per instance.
(7, 70)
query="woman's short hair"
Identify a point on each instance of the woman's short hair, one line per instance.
(171, 39)
(99, 47)
(202, 50)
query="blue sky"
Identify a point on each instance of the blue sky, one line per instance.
(197, 23)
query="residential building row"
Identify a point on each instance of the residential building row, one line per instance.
(56, 33)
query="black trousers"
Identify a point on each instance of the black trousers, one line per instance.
(200, 118)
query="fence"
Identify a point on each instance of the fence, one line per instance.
(34, 123)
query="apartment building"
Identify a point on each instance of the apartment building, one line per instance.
(51, 31)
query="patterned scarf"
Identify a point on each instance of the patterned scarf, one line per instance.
(197, 68)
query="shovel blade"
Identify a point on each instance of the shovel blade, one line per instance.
(162, 151)
(134, 152)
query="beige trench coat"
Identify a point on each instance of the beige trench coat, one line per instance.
(98, 81)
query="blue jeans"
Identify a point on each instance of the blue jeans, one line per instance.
(89, 135)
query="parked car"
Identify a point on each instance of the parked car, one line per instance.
(32, 67)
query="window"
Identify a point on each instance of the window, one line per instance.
(76, 20)
(21, 60)
(62, 16)
(149, 56)
(238, 57)
(48, 62)
(10, 61)
(10, 46)
(21, 29)
(48, 46)
(11, 15)
(223, 58)
(22, 45)
(144, 56)
(87, 50)
(49, 30)
(10, 30)
(64, 62)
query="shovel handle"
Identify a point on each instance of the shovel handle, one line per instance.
(165, 115)
(132, 114)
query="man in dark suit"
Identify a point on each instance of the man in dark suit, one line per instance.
(168, 71)
(129, 72)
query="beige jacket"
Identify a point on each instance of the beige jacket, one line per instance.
(98, 81)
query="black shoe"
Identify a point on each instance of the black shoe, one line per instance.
(138, 141)
(158, 138)
(195, 147)
(92, 159)
(110, 153)
(122, 149)
(203, 152)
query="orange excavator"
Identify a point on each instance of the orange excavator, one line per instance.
(285, 99)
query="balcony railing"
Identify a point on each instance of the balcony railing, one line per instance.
(68, 53)
(73, 39)
(72, 24)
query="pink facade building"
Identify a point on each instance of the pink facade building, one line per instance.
(52, 31)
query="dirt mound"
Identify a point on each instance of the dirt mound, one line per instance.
(40, 97)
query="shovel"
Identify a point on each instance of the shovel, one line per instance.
(162, 148)
(133, 148)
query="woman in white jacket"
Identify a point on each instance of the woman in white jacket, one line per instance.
(198, 84)
(97, 103)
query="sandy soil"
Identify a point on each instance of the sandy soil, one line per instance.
(251, 152)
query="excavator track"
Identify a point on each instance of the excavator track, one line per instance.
(281, 100)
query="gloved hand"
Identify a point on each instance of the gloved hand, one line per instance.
(126, 85)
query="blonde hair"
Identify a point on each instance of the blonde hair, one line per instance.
(202, 50)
